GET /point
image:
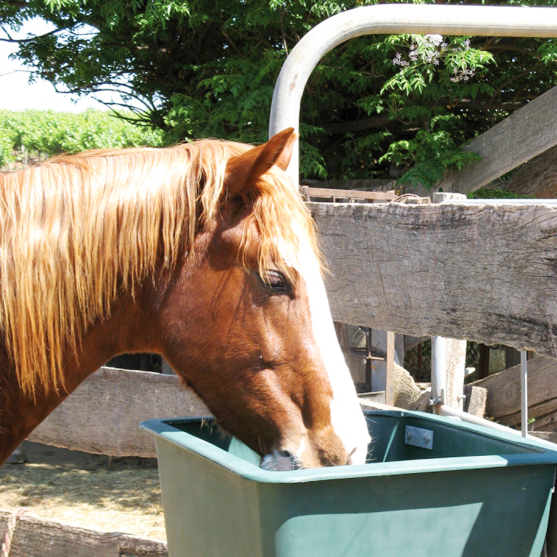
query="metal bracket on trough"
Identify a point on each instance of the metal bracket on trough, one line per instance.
(419, 437)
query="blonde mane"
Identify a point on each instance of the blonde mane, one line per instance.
(79, 230)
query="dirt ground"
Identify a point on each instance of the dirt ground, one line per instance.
(81, 489)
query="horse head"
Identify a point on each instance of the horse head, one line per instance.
(203, 252)
(244, 319)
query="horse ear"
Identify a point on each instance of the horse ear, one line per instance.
(242, 171)
(283, 160)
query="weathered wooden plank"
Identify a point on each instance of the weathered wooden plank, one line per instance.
(547, 422)
(475, 401)
(523, 135)
(103, 414)
(455, 365)
(537, 178)
(550, 436)
(31, 536)
(365, 184)
(486, 273)
(503, 388)
(354, 194)
(543, 416)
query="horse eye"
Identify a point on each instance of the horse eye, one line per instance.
(275, 281)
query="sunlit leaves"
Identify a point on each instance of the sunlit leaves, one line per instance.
(426, 157)
(52, 133)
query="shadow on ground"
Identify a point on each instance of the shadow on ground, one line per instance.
(85, 489)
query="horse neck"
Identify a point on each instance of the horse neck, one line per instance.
(20, 413)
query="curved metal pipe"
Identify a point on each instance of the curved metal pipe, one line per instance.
(445, 410)
(393, 18)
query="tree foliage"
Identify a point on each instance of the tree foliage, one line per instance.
(52, 133)
(377, 106)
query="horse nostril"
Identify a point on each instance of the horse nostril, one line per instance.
(279, 460)
(287, 460)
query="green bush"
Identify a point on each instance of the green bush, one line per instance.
(50, 133)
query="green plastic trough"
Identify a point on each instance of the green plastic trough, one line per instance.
(432, 487)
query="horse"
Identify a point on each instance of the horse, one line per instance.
(202, 252)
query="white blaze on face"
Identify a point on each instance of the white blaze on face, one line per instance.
(346, 415)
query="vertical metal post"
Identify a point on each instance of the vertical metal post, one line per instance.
(524, 392)
(438, 372)
(390, 371)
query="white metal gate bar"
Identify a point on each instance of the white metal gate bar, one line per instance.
(500, 21)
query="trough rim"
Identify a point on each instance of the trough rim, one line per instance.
(540, 454)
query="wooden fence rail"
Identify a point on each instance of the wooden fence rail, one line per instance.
(486, 273)
(26, 535)
(518, 138)
(103, 414)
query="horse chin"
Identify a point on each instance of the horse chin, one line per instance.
(278, 462)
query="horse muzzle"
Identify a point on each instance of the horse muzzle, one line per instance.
(280, 461)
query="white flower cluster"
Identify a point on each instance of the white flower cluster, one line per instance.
(430, 49)
(398, 61)
(462, 74)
